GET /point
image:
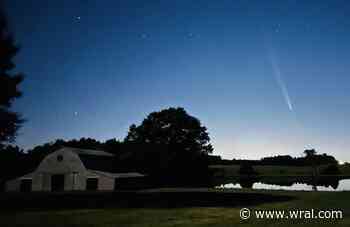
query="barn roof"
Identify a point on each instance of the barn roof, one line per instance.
(117, 175)
(89, 152)
(94, 159)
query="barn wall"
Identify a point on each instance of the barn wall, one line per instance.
(105, 183)
(37, 182)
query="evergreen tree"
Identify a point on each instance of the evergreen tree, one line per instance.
(10, 121)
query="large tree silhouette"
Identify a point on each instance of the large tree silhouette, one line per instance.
(9, 121)
(171, 145)
(172, 127)
(312, 159)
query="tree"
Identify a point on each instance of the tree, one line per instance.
(9, 121)
(171, 144)
(246, 169)
(331, 169)
(12, 164)
(112, 146)
(310, 152)
(311, 158)
(172, 127)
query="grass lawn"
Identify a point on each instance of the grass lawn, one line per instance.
(187, 216)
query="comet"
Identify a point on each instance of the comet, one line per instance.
(278, 77)
(272, 58)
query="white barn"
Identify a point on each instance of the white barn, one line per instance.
(70, 169)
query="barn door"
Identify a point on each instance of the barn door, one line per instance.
(92, 184)
(57, 182)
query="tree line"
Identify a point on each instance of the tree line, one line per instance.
(279, 160)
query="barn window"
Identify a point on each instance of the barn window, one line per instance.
(59, 158)
(75, 179)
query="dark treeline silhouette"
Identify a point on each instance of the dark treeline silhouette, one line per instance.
(247, 169)
(284, 160)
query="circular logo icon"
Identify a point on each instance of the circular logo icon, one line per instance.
(244, 213)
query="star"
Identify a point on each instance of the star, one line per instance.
(191, 35)
(78, 17)
(143, 36)
(307, 27)
(277, 28)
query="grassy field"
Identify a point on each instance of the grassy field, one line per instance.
(188, 216)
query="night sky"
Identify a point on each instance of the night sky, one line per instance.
(265, 77)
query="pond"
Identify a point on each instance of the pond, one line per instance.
(289, 183)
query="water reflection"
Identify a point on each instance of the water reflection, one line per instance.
(289, 183)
